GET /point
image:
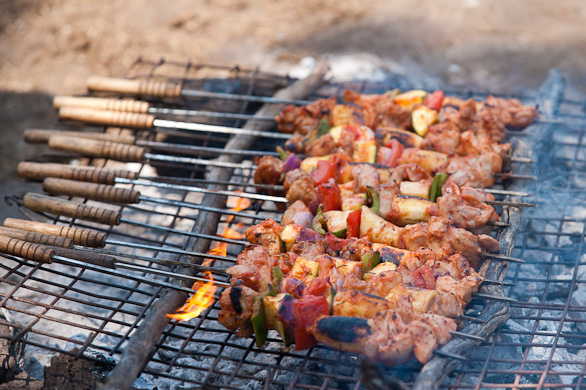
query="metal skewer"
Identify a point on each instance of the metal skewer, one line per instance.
(46, 255)
(147, 121)
(40, 171)
(41, 203)
(130, 105)
(171, 89)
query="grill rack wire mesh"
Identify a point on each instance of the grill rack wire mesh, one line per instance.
(59, 309)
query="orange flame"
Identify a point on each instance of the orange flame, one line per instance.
(204, 291)
(236, 203)
(198, 302)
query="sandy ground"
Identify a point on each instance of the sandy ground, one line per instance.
(51, 47)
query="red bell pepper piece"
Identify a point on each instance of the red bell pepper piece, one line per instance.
(323, 173)
(353, 222)
(328, 194)
(434, 100)
(306, 311)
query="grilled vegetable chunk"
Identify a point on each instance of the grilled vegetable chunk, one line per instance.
(349, 303)
(274, 308)
(344, 333)
(377, 229)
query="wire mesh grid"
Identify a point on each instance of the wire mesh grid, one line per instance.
(203, 353)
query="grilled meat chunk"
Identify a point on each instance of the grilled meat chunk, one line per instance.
(302, 120)
(299, 186)
(269, 170)
(266, 234)
(297, 214)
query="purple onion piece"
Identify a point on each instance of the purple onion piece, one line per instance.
(299, 289)
(303, 218)
(285, 313)
(292, 162)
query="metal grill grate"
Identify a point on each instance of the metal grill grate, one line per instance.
(58, 310)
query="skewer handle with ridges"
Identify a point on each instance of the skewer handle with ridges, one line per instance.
(87, 257)
(99, 192)
(79, 236)
(135, 87)
(100, 149)
(40, 171)
(126, 105)
(41, 136)
(67, 208)
(36, 238)
(26, 250)
(107, 118)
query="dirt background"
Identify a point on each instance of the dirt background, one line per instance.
(51, 47)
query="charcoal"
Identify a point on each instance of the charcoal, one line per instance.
(69, 373)
(22, 381)
(579, 299)
(11, 354)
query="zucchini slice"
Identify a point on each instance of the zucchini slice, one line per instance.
(421, 118)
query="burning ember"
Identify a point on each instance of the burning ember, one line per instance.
(204, 292)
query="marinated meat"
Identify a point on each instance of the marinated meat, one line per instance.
(409, 172)
(366, 176)
(297, 214)
(299, 186)
(302, 120)
(465, 214)
(511, 112)
(443, 137)
(265, 234)
(322, 146)
(269, 170)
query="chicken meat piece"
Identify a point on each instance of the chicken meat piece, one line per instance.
(443, 137)
(371, 105)
(457, 266)
(302, 120)
(297, 214)
(348, 248)
(322, 146)
(266, 234)
(463, 289)
(445, 240)
(258, 259)
(236, 303)
(447, 305)
(365, 176)
(309, 250)
(474, 170)
(268, 171)
(299, 186)
(409, 172)
(511, 112)
(464, 214)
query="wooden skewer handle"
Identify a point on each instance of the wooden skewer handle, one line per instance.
(100, 149)
(41, 136)
(135, 87)
(126, 105)
(99, 192)
(40, 171)
(87, 257)
(26, 250)
(107, 118)
(79, 236)
(67, 208)
(36, 238)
